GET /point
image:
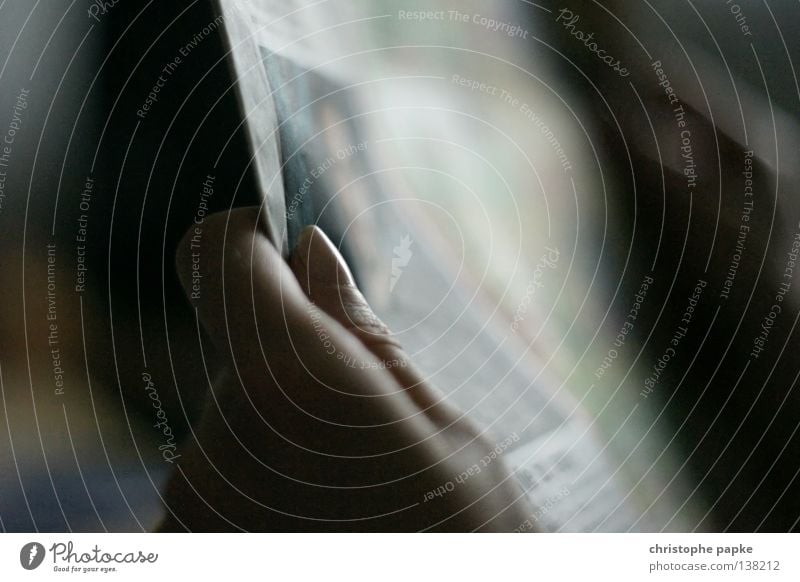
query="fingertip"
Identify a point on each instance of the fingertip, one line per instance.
(232, 275)
(225, 234)
(316, 261)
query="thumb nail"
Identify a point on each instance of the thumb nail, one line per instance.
(320, 260)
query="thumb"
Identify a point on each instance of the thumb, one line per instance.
(238, 283)
(255, 311)
(327, 281)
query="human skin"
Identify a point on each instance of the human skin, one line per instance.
(320, 423)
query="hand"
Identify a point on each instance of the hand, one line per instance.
(320, 422)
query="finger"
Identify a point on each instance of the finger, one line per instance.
(254, 309)
(326, 279)
(328, 282)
